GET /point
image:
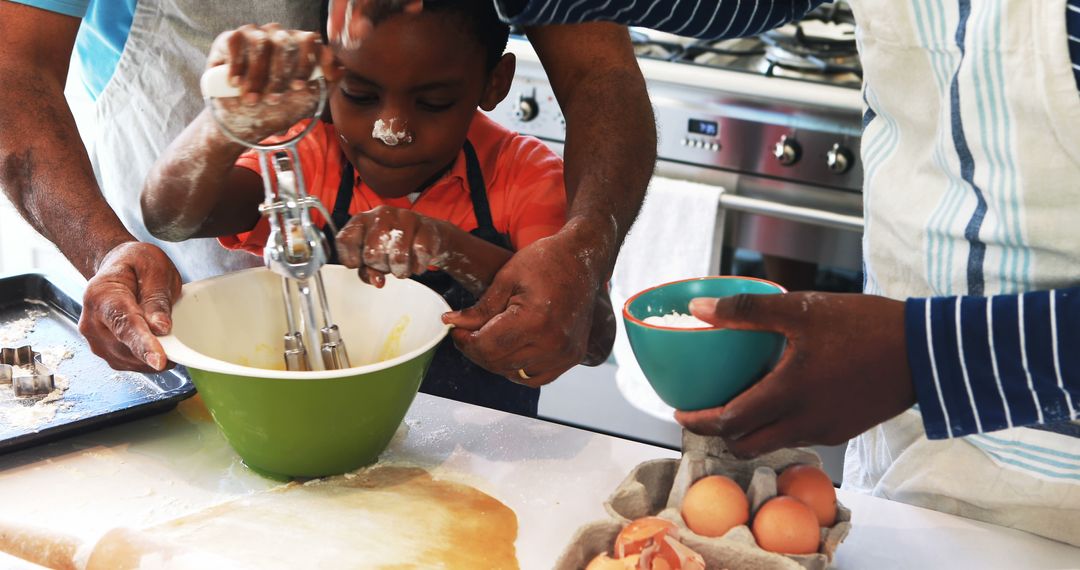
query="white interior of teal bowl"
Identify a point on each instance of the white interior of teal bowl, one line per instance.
(235, 323)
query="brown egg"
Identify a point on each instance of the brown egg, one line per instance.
(813, 487)
(714, 505)
(787, 526)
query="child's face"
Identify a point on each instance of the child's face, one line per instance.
(423, 73)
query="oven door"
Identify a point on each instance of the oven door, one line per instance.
(799, 235)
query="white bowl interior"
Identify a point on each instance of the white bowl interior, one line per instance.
(235, 323)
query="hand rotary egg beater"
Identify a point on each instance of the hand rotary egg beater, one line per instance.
(295, 249)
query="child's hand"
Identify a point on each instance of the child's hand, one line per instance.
(393, 240)
(271, 67)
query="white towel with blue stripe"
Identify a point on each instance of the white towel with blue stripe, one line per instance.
(677, 235)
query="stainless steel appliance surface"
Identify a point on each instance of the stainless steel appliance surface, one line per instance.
(776, 121)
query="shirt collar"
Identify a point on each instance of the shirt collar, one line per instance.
(459, 170)
(455, 179)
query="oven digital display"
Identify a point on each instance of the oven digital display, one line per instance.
(708, 128)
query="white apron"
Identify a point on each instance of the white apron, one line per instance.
(1019, 112)
(154, 94)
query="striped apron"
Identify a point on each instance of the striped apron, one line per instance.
(971, 152)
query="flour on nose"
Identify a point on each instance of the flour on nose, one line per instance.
(392, 132)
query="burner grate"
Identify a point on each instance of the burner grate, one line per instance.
(741, 47)
(652, 48)
(819, 48)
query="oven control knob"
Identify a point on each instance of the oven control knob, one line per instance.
(838, 159)
(787, 151)
(527, 108)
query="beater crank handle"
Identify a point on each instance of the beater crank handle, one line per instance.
(215, 82)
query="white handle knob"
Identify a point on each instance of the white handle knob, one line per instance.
(215, 82)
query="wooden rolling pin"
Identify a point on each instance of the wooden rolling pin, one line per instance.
(40, 546)
(118, 549)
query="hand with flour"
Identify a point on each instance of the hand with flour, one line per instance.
(127, 302)
(394, 241)
(193, 191)
(546, 312)
(271, 67)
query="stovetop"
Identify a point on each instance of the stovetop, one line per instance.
(820, 48)
(782, 106)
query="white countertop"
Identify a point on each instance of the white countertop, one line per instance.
(554, 477)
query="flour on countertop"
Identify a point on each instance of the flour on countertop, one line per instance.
(677, 320)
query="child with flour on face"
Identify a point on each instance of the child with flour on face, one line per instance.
(421, 182)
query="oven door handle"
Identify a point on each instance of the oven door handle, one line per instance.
(794, 213)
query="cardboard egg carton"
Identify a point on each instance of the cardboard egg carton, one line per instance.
(657, 488)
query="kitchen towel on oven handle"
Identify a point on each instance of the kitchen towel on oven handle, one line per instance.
(677, 235)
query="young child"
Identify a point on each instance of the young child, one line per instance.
(434, 188)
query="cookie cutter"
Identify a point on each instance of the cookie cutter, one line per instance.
(13, 363)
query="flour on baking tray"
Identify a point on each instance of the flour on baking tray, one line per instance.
(14, 333)
(32, 412)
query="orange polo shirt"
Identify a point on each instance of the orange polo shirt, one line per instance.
(524, 179)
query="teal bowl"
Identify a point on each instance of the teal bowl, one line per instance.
(698, 368)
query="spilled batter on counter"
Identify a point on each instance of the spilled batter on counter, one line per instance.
(380, 518)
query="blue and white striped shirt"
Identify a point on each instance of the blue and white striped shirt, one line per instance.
(1072, 25)
(979, 363)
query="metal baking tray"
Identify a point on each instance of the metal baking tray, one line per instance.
(97, 395)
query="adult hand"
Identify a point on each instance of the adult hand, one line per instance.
(270, 66)
(350, 21)
(126, 303)
(391, 240)
(844, 371)
(535, 318)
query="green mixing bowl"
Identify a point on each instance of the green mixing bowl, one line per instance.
(228, 332)
(694, 369)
